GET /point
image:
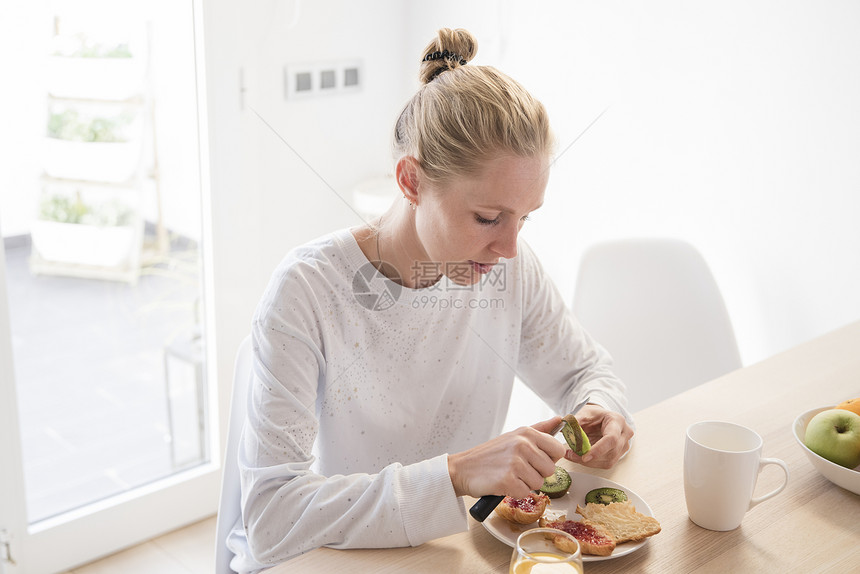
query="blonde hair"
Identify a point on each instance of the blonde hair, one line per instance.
(463, 115)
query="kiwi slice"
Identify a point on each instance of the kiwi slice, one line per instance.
(576, 438)
(606, 495)
(557, 485)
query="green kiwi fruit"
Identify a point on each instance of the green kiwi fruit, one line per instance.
(606, 495)
(557, 485)
(576, 438)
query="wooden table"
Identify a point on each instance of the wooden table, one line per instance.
(812, 526)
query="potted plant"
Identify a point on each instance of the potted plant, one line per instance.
(84, 67)
(70, 230)
(99, 143)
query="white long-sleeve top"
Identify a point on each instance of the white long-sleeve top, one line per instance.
(362, 387)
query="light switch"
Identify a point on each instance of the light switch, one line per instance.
(333, 77)
(304, 82)
(327, 80)
(350, 77)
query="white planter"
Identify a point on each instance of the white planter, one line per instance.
(113, 162)
(95, 78)
(83, 244)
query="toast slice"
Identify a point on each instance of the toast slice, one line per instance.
(592, 539)
(621, 520)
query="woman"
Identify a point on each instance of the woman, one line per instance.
(385, 354)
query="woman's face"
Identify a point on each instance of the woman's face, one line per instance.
(468, 224)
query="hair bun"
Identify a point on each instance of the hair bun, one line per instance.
(448, 50)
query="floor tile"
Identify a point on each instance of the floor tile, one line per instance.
(90, 378)
(147, 558)
(192, 546)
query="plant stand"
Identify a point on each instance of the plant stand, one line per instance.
(119, 169)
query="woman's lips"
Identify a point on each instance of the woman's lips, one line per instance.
(482, 268)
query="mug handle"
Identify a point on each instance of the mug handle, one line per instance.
(773, 493)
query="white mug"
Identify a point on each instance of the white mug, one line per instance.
(721, 464)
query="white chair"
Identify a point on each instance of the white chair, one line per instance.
(229, 507)
(654, 305)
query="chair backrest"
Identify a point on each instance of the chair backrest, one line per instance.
(655, 306)
(229, 507)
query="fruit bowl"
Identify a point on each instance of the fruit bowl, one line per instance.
(839, 475)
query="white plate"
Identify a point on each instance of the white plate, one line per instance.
(508, 532)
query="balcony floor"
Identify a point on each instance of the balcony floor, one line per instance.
(90, 372)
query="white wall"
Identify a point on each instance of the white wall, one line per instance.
(267, 198)
(337, 140)
(732, 125)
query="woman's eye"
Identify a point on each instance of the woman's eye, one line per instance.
(485, 221)
(525, 218)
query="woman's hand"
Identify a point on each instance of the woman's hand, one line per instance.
(512, 464)
(608, 433)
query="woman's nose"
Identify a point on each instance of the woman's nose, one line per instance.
(505, 244)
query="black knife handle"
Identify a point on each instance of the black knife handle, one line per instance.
(485, 505)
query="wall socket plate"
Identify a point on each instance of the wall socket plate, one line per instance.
(311, 80)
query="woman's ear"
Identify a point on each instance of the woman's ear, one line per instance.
(407, 174)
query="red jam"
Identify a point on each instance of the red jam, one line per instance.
(581, 531)
(527, 504)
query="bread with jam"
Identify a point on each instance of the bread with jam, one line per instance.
(593, 539)
(523, 510)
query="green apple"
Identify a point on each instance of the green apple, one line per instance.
(835, 435)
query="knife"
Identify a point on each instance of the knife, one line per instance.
(486, 504)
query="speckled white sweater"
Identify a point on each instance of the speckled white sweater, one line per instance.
(362, 387)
